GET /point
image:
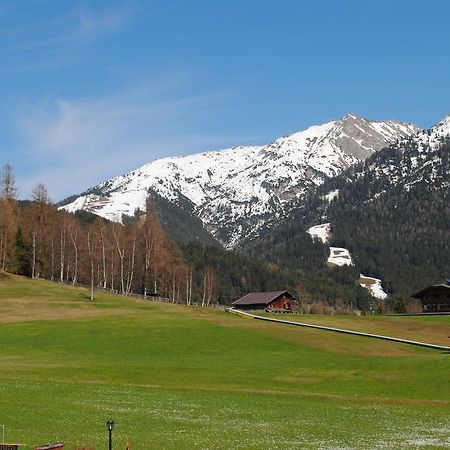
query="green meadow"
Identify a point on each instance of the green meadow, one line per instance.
(178, 377)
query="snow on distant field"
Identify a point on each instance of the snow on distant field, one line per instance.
(340, 257)
(373, 285)
(321, 232)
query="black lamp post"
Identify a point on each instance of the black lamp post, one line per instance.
(110, 424)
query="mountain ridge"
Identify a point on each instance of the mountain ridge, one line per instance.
(235, 191)
(391, 212)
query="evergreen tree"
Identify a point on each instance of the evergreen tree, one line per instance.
(23, 254)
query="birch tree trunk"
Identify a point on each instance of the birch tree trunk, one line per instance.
(91, 259)
(33, 262)
(75, 248)
(121, 253)
(102, 236)
(52, 259)
(62, 243)
(187, 289)
(112, 269)
(131, 270)
(204, 288)
(173, 287)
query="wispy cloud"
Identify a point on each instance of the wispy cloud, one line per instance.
(46, 42)
(77, 25)
(74, 144)
(90, 24)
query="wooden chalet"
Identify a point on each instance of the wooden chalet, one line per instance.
(435, 298)
(277, 301)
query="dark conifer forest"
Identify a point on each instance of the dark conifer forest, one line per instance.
(392, 212)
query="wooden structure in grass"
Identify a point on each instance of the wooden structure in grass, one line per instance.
(435, 298)
(276, 301)
(56, 446)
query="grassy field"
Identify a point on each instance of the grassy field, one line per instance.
(174, 377)
(429, 329)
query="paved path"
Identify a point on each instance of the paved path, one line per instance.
(341, 330)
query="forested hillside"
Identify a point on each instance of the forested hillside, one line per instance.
(392, 212)
(38, 240)
(179, 221)
(238, 274)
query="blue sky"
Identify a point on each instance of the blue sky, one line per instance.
(92, 89)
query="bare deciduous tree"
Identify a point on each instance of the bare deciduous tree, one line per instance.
(91, 254)
(8, 217)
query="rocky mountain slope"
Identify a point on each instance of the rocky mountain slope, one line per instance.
(236, 191)
(392, 212)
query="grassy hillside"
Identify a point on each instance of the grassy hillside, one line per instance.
(183, 378)
(429, 329)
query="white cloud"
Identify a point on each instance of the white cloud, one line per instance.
(74, 144)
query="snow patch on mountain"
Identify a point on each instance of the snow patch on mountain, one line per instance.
(373, 285)
(332, 195)
(320, 232)
(340, 257)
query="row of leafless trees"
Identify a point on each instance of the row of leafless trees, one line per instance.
(40, 241)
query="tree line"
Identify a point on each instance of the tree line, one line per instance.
(40, 241)
(136, 257)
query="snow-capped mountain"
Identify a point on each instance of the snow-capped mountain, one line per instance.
(236, 190)
(442, 129)
(418, 160)
(390, 212)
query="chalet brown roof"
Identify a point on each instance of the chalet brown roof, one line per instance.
(423, 292)
(259, 298)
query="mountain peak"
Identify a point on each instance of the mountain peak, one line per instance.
(443, 127)
(236, 191)
(359, 138)
(351, 116)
